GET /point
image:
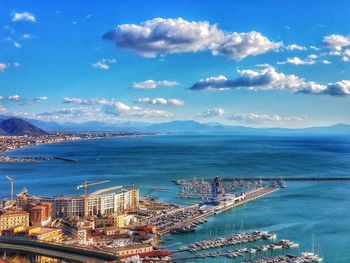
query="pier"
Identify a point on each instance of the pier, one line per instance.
(182, 218)
(257, 179)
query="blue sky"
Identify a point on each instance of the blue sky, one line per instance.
(256, 63)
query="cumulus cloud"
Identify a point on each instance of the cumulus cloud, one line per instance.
(23, 16)
(258, 118)
(152, 84)
(121, 109)
(161, 101)
(212, 112)
(339, 45)
(339, 88)
(295, 47)
(104, 63)
(263, 79)
(117, 108)
(241, 45)
(166, 36)
(269, 78)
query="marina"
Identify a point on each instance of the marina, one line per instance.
(185, 219)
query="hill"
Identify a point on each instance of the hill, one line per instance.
(16, 126)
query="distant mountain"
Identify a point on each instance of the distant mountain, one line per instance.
(16, 126)
(178, 126)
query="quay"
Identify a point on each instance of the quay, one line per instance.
(232, 179)
(184, 217)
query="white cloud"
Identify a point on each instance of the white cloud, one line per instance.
(121, 109)
(73, 114)
(161, 101)
(24, 16)
(338, 45)
(312, 56)
(14, 97)
(117, 108)
(24, 101)
(38, 99)
(152, 84)
(166, 36)
(212, 112)
(13, 42)
(17, 45)
(104, 63)
(257, 118)
(336, 42)
(241, 45)
(298, 61)
(294, 47)
(269, 78)
(327, 62)
(28, 36)
(263, 65)
(314, 48)
(339, 88)
(3, 67)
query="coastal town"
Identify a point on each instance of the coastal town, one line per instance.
(123, 226)
(8, 143)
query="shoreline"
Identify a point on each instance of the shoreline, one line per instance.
(25, 142)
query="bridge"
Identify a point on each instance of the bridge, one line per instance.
(35, 248)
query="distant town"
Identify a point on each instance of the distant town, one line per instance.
(19, 133)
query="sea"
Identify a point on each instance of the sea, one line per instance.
(314, 214)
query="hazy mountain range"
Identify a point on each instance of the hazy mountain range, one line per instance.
(16, 126)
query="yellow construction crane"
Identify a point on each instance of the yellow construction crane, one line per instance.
(12, 182)
(86, 184)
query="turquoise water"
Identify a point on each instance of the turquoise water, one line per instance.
(303, 210)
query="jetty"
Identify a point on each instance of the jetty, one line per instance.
(257, 179)
(185, 219)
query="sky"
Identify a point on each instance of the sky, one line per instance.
(252, 63)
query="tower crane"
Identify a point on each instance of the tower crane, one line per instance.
(12, 182)
(86, 184)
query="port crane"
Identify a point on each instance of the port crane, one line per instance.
(86, 184)
(12, 183)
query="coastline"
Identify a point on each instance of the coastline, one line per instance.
(51, 139)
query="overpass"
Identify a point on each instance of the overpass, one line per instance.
(37, 248)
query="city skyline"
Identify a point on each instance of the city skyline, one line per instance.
(237, 63)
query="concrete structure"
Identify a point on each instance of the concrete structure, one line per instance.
(132, 250)
(100, 204)
(14, 218)
(59, 251)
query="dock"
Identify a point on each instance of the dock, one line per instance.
(276, 179)
(189, 215)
